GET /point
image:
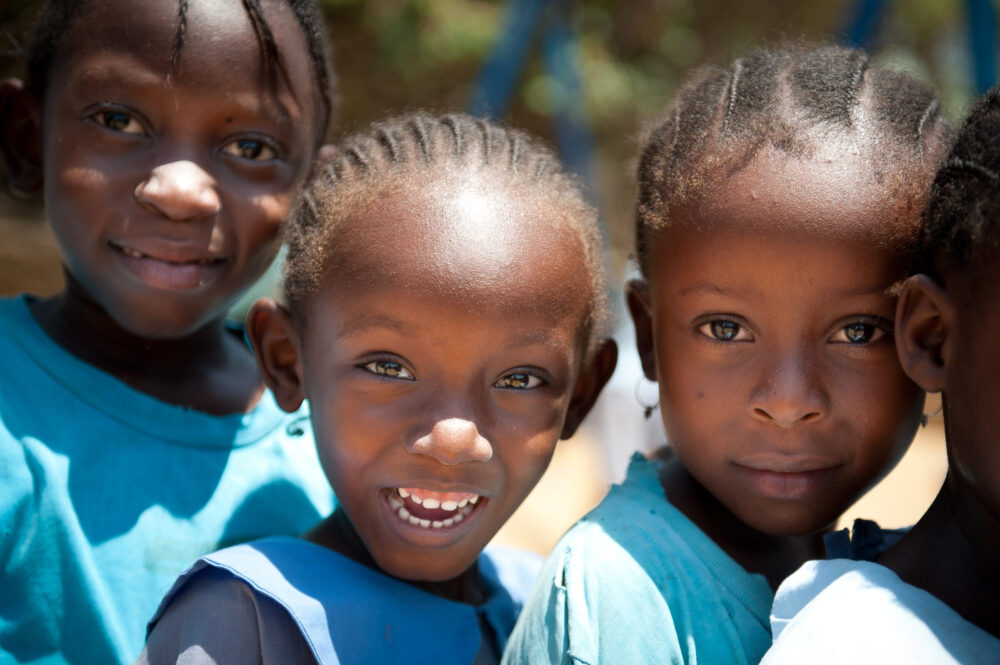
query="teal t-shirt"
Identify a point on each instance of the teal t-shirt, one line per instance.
(635, 581)
(107, 495)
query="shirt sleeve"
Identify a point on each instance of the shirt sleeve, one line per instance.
(216, 619)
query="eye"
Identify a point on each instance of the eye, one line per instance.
(389, 368)
(518, 381)
(118, 121)
(858, 333)
(251, 149)
(725, 330)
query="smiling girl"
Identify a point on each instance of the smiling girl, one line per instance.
(444, 299)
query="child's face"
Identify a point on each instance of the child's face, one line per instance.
(767, 322)
(442, 360)
(166, 197)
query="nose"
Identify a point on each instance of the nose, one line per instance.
(453, 441)
(789, 393)
(180, 191)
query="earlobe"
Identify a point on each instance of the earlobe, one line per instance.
(925, 318)
(637, 298)
(20, 137)
(275, 345)
(593, 377)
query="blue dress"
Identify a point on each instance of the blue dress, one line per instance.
(284, 600)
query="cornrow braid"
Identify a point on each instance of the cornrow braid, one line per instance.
(58, 18)
(417, 150)
(961, 225)
(793, 100)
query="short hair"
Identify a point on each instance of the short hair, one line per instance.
(791, 100)
(417, 148)
(58, 18)
(961, 224)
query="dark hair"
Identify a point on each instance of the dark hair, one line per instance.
(791, 100)
(962, 219)
(58, 19)
(418, 149)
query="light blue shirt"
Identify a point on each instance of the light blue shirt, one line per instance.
(635, 581)
(107, 494)
(287, 600)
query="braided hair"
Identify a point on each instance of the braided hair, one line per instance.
(421, 149)
(59, 18)
(961, 226)
(793, 101)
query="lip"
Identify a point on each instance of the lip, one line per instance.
(168, 267)
(786, 478)
(426, 536)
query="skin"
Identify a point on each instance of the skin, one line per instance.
(945, 337)
(767, 320)
(165, 196)
(445, 351)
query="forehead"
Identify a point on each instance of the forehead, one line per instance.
(461, 239)
(220, 47)
(836, 193)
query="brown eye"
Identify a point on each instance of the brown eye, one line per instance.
(858, 333)
(250, 149)
(518, 381)
(118, 121)
(389, 368)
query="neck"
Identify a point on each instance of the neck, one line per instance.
(338, 534)
(774, 557)
(953, 553)
(208, 370)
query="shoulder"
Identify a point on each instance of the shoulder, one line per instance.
(887, 619)
(218, 618)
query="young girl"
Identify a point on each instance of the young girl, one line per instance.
(444, 291)
(934, 597)
(135, 431)
(774, 204)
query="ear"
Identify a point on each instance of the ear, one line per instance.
(21, 137)
(925, 317)
(276, 346)
(637, 297)
(598, 368)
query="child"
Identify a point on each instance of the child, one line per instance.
(135, 431)
(445, 291)
(774, 201)
(933, 598)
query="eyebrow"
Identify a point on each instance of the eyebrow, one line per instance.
(705, 287)
(368, 322)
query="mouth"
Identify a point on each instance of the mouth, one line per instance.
(432, 510)
(787, 478)
(169, 268)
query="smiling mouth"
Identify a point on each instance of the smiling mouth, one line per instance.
(429, 509)
(169, 270)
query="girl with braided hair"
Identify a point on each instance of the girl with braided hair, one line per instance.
(935, 596)
(169, 140)
(776, 201)
(443, 316)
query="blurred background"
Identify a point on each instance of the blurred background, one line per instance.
(589, 76)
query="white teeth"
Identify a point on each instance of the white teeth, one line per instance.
(449, 505)
(448, 522)
(425, 523)
(463, 502)
(430, 503)
(395, 503)
(458, 518)
(403, 493)
(414, 521)
(473, 499)
(404, 514)
(131, 252)
(436, 524)
(416, 499)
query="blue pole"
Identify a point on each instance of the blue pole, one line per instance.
(982, 42)
(864, 23)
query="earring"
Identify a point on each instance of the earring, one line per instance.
(927, 416)
(648, 405)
